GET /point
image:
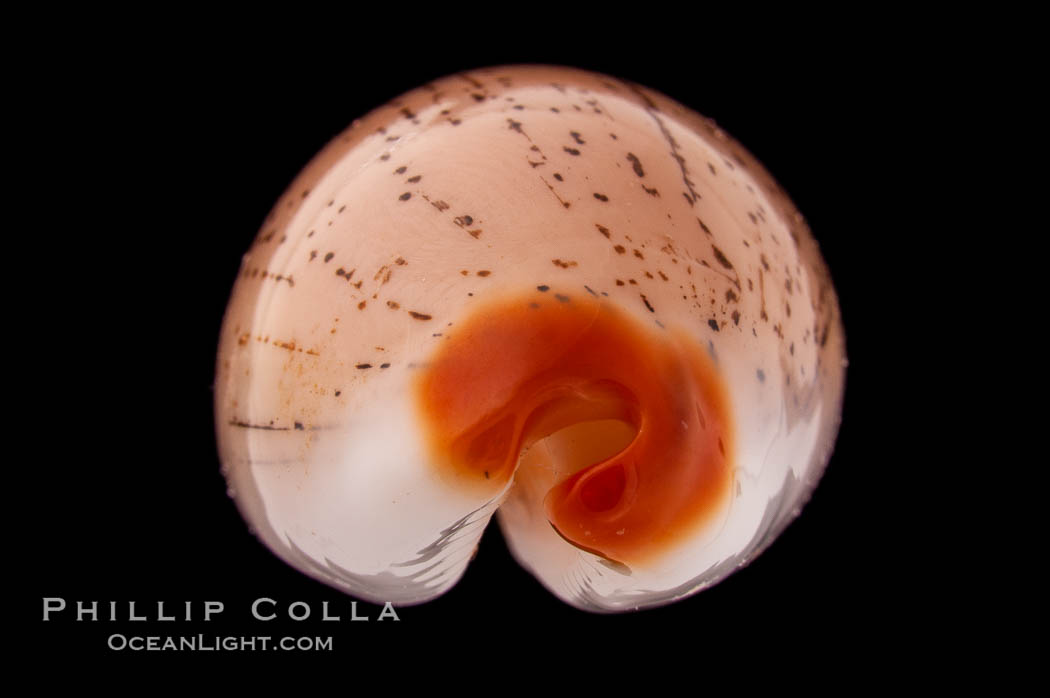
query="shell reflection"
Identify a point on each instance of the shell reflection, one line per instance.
(539, 291)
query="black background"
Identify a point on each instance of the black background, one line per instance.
(154, 168)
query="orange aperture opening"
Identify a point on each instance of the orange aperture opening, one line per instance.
(623, 430)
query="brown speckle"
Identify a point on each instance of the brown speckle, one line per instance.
(600, 197)
(721, 258)
(636, 164)
(418, 316)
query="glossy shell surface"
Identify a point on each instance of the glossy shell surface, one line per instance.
(540, 292)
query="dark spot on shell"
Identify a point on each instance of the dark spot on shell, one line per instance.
(364, 365)
(636, 164)
(600, 197)
(418, 316)
(721, 258)
(713, 324)
(406, 196)
(544, 288)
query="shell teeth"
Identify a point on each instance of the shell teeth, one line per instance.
(541, 291)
